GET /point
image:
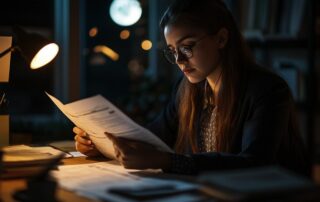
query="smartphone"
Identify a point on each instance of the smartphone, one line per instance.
(146, 192)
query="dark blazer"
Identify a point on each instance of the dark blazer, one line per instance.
(266, 136)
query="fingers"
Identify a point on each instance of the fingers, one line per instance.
(77, 130)
(82, 143)
(121, 149)
(83, 140)
(81, 136)
(131, 153)
(80, 132)
(87, 150)
(83, 148)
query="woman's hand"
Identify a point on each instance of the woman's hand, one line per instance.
(83, 143)
(138, 155)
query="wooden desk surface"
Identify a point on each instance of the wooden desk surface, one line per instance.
(8, 187)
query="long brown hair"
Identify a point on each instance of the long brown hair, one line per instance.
(211, 16)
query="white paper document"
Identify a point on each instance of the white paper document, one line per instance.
(23, 155)
(96, 115)
(96, 179)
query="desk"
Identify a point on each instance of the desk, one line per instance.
(8, 187)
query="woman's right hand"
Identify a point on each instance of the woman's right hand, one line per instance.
(83, 143)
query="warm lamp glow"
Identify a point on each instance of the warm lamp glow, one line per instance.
(107, 51)
(146, 45)
(36, 50)
(44, 56)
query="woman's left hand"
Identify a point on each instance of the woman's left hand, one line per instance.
(134, 154)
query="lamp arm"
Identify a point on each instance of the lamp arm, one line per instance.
(10, 49)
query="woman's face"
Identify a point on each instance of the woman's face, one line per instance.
(204, 47)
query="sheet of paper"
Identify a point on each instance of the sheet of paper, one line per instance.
(23, 154)
(94, 180)
(96, 115)
(76, 154)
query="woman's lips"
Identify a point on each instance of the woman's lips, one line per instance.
(188, 70)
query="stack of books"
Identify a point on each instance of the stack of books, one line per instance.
(25, 161)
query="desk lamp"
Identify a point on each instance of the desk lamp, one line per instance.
(38, 52)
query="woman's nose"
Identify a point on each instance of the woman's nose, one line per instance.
(180, 58)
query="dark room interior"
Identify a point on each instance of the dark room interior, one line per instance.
(125, 63)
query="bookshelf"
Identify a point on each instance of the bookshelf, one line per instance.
(282, 36)
(282, 43)
(275, 18)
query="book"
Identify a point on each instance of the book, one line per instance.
(96, 115)
(23, 155)
(27, 161)
(258, 184)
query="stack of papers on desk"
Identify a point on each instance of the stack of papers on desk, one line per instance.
(25, 161)
(23, 155)
(96, 115)
(96, 179)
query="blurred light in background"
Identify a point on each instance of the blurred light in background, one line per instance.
(107, 52)
(125, 12)
(124, 34)
(97, 60)
(146, 45)
(93, 32)
(135, 67)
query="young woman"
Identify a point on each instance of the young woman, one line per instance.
(226, 112)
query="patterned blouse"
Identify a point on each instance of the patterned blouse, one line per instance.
(184, 164)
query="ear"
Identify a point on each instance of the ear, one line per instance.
(222, 37)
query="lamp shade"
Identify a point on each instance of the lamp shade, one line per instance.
(37, 50)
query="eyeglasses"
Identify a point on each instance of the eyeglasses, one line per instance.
(186, 51)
